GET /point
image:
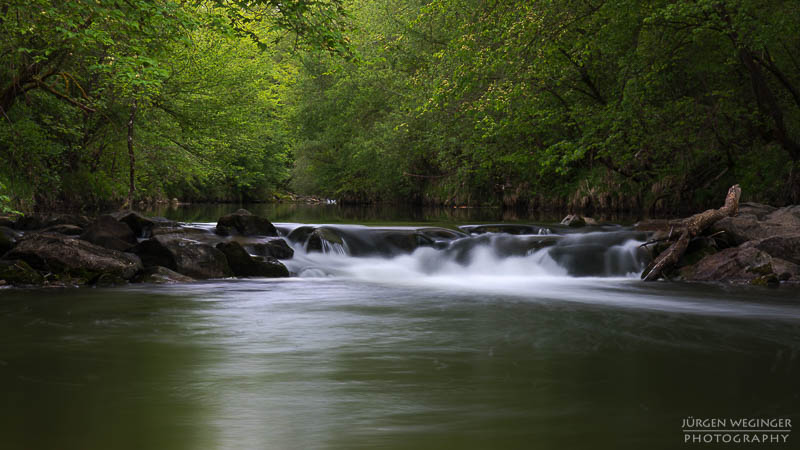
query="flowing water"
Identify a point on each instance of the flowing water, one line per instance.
(397, 336)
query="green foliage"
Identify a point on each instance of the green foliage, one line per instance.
(5, 202)
(662, 103)
(199, 84)
(649, 99)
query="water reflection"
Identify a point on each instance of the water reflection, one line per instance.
(88, 369)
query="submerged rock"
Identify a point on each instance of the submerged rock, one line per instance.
(109, 233)
(74, 257)
(244, 265)
(161, 275)
(244, 223)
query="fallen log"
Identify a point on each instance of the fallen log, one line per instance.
(689, 228)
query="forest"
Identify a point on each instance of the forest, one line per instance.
(654, 106)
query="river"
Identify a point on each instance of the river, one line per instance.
(476, 347)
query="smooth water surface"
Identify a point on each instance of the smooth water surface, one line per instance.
(475, 347)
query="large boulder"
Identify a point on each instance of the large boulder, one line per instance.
(787, 217)
(109, 233)
(244, 223)
(786, 247)
(161, 275)
(74, 257)
(742, 228)
(759, 222)
(244, 265)
(743, 264)
(187, 257)
(276, 248)
(759, 210)
(18, 272)
(139, 224)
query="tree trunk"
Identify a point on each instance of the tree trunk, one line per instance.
(131, 156)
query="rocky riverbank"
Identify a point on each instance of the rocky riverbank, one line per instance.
(74, 250)
(759, 245)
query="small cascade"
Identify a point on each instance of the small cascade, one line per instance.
(485, 253)
(333, 248)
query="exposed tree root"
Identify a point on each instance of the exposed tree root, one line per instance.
(689, 228)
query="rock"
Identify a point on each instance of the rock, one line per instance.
(154, 252)
(325, 240)
(139, 224)
(244, 223)
(65, 229)
(276, 248)
(178, 232)
(109, 233)
(74, 257)
(786, 271)
(77, 220)
(161, 275)
(769, 280)
(189, 258)
(786, 247)
(742, 228)
(573, 220)
(30, 222)
(8, 239)
(142, 226)
(758, 210)
(787, 217)
(738, 264)
(698, 248)
(244, 265)
(746, 226)
(18, 272)
(39, 221)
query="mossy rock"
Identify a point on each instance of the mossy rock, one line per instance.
(18, 272)
(769, 280)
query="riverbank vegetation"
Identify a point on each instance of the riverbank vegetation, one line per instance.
(619, 104)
